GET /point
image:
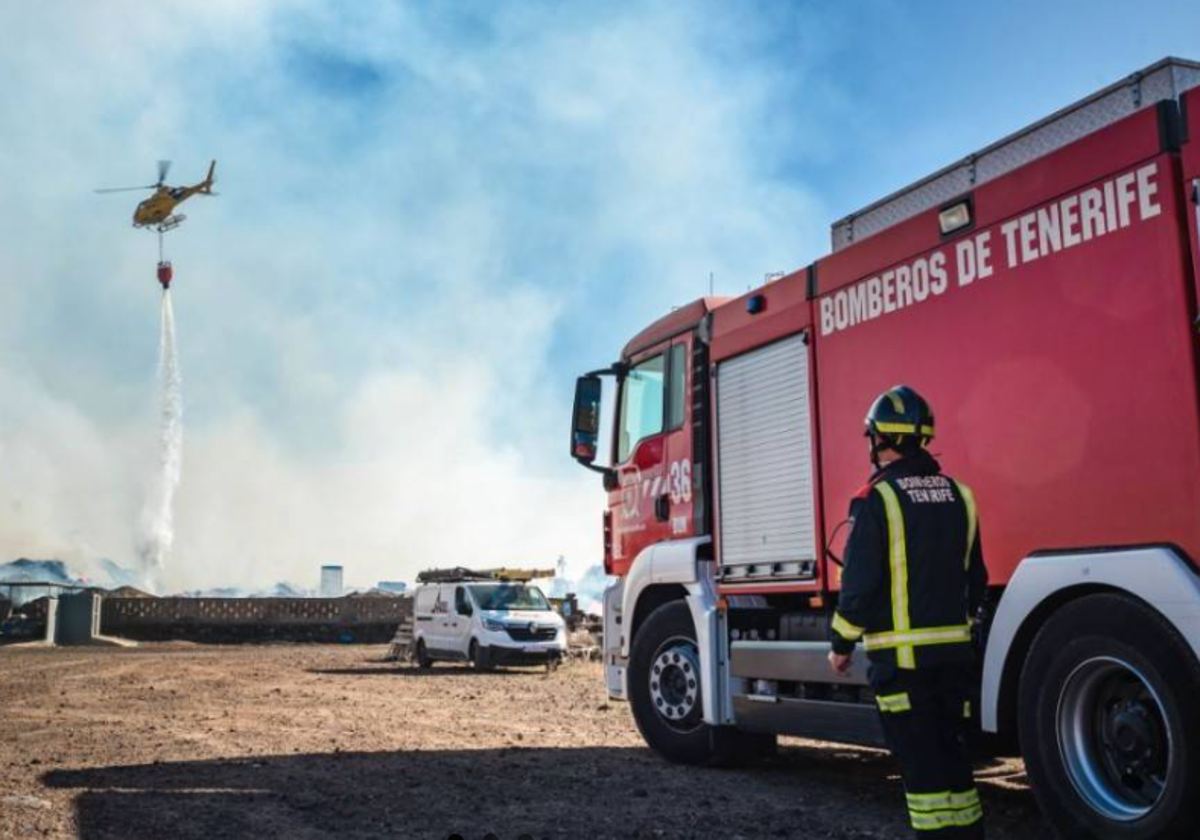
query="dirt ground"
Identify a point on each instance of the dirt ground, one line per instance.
(173, 741)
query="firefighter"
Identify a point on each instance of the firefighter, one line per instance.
(913, 577)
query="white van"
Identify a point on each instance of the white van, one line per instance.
(487, 623)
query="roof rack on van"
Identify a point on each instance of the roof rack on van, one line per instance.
(459, 573)
(450, 575)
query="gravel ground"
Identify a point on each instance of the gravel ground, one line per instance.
(180, 741)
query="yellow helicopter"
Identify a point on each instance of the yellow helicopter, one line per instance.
(158, 211)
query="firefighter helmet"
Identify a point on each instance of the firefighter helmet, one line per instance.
(900, 419)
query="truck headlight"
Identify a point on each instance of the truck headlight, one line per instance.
(493, 624)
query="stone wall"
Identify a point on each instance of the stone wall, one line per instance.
(352, 619)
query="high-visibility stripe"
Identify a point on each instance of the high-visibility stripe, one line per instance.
(937, 820)
(944, 809)
(903, 429)
(972, 519)
(894, 702)
(942, 800)
(898, 560)
(849, 632)
(966, 708)
(918, 637)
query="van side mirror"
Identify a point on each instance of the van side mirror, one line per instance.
(585, 426)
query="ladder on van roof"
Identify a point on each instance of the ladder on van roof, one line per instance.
(503, 574)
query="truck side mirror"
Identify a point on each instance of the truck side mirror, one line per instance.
(585, 428)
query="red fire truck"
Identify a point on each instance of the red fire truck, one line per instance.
(1042, 295)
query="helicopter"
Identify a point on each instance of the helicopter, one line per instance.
(158, 211)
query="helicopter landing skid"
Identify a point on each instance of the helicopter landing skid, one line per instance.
(170, 223)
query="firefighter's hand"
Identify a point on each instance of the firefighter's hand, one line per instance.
(840, 662)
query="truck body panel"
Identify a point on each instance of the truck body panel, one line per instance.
(1045, 376)
(1190, 159)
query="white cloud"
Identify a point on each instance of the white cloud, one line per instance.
(380, 317)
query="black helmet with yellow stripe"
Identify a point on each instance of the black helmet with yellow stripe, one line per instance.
(900, 420)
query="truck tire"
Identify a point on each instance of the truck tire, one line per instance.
(1109, 739)
(665, 695)
(422, 658)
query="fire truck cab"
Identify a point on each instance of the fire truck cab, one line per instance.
(1041, 293)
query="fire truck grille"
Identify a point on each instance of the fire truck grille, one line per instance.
(531, 634)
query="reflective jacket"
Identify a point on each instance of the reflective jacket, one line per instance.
(914, 570)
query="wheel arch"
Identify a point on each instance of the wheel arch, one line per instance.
(678, 570)
(1156, 576)
(650, 599)
(1018, 652)
(660, 573)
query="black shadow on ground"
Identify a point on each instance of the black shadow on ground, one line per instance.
(591, 792)
(392, 670)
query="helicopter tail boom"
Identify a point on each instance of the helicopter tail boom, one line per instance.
(206, 185)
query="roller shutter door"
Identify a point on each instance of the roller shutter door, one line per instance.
(765, 470)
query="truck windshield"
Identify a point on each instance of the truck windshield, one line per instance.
(509, 596)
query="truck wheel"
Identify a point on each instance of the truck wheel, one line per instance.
(1108, 744)
(423, 660)
(665, 694)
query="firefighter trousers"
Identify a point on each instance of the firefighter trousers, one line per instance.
(926, 714)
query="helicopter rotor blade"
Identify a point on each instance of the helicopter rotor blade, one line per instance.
(126, 189)
(164, 166)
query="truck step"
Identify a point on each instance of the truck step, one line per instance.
(847, 723)
(802, 662)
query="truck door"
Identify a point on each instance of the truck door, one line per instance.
(648, 418)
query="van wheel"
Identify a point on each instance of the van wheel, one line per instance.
(1108, 745)
(423, 660)
(665, 694)
(480, 659)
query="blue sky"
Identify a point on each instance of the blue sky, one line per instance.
(432, 216)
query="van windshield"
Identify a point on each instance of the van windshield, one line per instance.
(509, 596)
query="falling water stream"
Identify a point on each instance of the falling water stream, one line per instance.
(157, 531)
